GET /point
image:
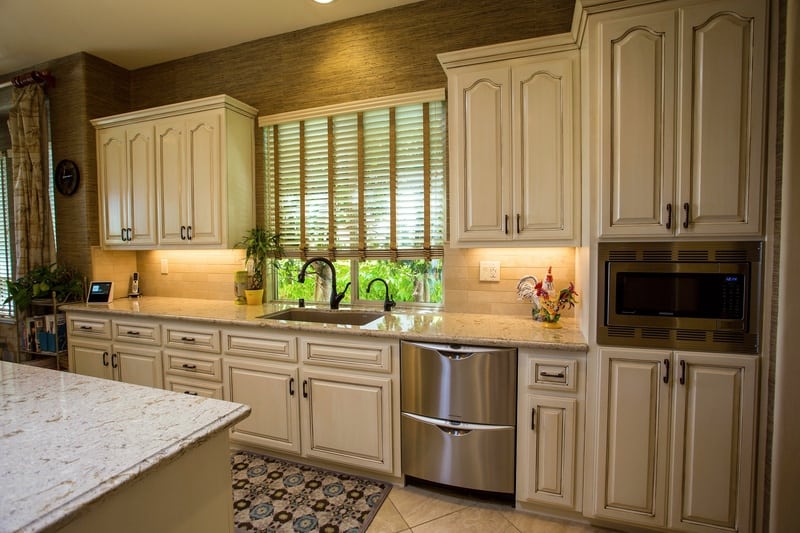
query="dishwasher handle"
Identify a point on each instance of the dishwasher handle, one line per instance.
(454, 351)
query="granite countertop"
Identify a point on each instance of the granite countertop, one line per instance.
(462, 328)
(68, 440)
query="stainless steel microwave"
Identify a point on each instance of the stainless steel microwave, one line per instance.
(680, 295)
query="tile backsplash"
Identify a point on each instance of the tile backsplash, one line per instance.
(209, 274)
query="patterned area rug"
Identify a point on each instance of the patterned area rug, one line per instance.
(273, 495)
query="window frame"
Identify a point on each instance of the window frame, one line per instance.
(270, 196)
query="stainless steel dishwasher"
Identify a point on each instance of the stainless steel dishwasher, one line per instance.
(459, 411)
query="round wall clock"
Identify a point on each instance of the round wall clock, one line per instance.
(67, 177)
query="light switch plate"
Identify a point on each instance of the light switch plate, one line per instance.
(164, 265)
(490, 271)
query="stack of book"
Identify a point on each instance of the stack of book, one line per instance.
(45, 333)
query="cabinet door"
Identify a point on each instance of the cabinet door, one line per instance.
(90, 359)
(480, 155)
(140, 366)
(546, 167)
(112, 185)
(549, 468)
(204, 189)
(271, 391)
(171, 170)
(713, 442)
(635, 56)
(141, 184)
(348, 419)
(721, 103)
(633, 431)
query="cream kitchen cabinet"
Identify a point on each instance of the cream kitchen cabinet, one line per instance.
(514, 148)
(677, 105)
(676, 439)
(326, 397)
(127, 186)
(196, 159)
(272, 392)
(549, 433)
(347, 418)
(130, 354)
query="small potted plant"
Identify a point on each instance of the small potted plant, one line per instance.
(262, 248)
(42, 282)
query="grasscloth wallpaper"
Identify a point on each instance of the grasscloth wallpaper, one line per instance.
(379, 54)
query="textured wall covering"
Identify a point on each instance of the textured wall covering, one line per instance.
(380, 54)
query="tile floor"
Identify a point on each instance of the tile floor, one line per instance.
(422, 509)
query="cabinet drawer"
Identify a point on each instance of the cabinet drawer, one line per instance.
(194, 365)
(374, 355)
(192, 337)
(92, 327)
(263, 344)
(139, 332)
(194, 387)
(553, 374)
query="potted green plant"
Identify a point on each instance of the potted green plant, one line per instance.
(41, 282)
(262, 249)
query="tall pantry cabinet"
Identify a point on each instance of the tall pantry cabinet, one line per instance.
(177, 175)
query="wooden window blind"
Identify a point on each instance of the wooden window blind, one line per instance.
(365, 183)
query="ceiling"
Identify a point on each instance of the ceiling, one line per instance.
(147, 32)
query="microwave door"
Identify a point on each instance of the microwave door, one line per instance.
(676, 295)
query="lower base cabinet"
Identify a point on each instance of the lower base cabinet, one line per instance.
(347, 419)
(550, 406)
(335, 404)
(271, 391)
(137, 365)
(676, 439)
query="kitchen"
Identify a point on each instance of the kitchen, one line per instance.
(310, 70)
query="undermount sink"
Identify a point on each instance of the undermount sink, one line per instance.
(325, 316)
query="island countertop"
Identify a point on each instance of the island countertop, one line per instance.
(445, 327)
(68, 440)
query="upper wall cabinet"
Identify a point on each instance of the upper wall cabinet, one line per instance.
(127, 185)
(177, 175)
(677, 97)
(514, 144)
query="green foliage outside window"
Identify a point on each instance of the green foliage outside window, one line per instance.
(410, 281)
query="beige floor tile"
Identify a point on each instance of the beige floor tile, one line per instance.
(470, 519)
(531, 522)
(388, 519)
(418, 505)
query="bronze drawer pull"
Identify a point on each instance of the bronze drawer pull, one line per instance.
(544, 374)
(188, 366)
(187, 339)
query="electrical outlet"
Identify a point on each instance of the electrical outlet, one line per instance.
(490, 271)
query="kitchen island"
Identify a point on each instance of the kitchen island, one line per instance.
(87, 454)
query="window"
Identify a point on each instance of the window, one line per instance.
(6, 237)
(362, 184)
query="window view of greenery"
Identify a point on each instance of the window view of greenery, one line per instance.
(410, 281)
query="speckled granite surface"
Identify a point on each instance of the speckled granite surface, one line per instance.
(68, 440)
(463, 328)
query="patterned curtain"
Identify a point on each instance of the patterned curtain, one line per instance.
(34, 242)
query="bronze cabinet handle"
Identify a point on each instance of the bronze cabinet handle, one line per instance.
(669, 216)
